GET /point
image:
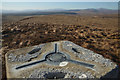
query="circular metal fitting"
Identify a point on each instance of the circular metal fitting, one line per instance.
(56, 57)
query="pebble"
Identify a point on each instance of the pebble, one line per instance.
(63, 63)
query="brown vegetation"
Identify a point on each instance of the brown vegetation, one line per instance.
(96, 33)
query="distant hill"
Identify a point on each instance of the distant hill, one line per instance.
(61, 11)
(94, 11)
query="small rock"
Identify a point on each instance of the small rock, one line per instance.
(83, 76)
(63, 64)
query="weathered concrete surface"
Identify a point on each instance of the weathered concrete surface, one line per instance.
(0, 63)
(0, 67)
(62, 59)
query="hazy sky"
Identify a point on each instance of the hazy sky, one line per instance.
(60, 0)
(57, 5)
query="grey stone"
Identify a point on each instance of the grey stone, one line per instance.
(62, 59)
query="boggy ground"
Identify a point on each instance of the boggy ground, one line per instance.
(33, 31)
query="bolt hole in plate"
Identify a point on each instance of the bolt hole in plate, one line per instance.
(34, 50)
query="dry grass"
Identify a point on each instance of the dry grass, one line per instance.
(97, 33)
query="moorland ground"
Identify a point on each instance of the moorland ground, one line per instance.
(98, 33)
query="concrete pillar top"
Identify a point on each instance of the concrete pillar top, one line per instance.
(58, 60)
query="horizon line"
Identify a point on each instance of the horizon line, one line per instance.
(59, 9)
